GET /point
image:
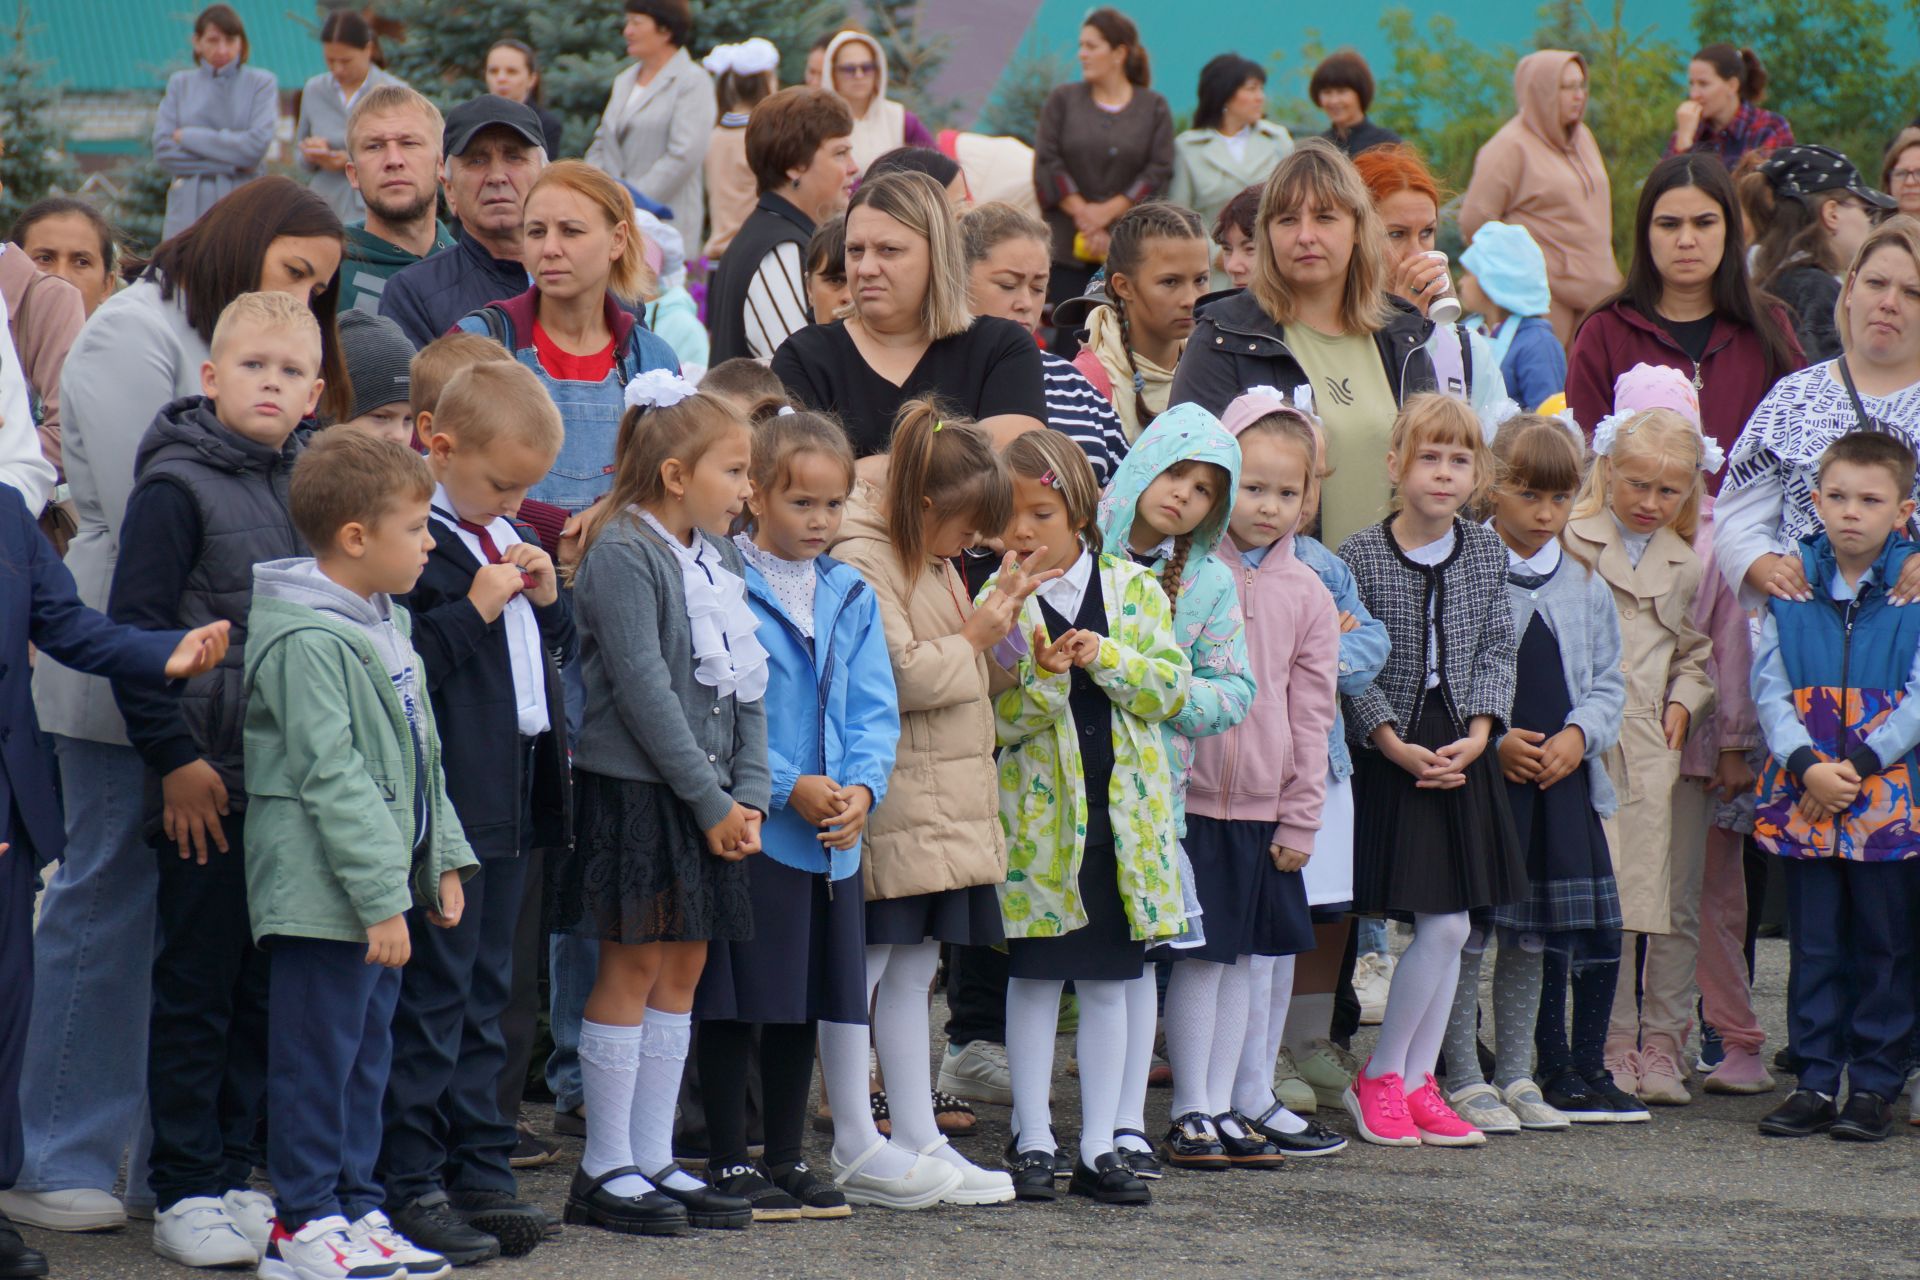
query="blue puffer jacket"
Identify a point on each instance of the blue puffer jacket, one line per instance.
(831, 707)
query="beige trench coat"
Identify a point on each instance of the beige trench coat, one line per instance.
(1664, 658)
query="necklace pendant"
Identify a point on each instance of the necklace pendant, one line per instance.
(1699, 383)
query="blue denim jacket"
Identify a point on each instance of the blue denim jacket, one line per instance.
(1363, 650)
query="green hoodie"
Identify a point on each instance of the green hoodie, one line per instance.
(331, 774)
(369, 261)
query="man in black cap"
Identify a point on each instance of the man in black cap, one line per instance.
(494, 152)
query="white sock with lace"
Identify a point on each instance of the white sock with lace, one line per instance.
(1143, 1021)
(1033, 1020)
(1193, 1001)
(844, 1060)
(609, 1062)
(664, 1038)
(1101, 1044)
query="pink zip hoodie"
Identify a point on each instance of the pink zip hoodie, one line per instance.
(1734, 724)
(1272, 766)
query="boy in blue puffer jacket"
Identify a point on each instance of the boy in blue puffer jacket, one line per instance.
(1505, 285)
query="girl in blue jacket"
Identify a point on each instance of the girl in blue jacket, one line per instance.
(832, 724)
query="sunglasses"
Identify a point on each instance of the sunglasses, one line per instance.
(857, 69)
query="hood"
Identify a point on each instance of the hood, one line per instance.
(1536, 91)
(1186, 432)
(190, 423)
(866, 515)
(1816, 555)
(364, 246)
(1511, 269)
(299, 581)
(879, 56)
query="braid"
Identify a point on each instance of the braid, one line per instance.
(1125, 250)
(1175, 568)
(1141, 413)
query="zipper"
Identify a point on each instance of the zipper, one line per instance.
(1847, 617)
(1232, 744)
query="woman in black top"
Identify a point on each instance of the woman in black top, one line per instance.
(1342, 86)
(910, 333)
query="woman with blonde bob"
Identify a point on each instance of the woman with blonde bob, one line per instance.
(1317, 311)
(571, 328)
(911, 333)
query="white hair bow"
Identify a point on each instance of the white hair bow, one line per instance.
(656, 389)
(752, 57)
(1607, 434)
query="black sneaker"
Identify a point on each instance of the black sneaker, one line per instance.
(1867, 1117)
(432, 1223)
(1570, 1096)
(517, 1225)
(16, 1259)
(1144, 1163)
(1786, 1061)
(1032, 1172)
(1626, 1108)
(533, 1150)
(817, 1196)
(1192, 1144)
(1802, 1115)
(770, 1203)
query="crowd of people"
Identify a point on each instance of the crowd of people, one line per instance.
(711, 587)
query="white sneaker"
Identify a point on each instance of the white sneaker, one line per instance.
(79, 1209)
(977, 1072)
(324, 1250)
(1372, 979)
(976, 1185)
(252, 1213)
(196, 1232)
(376, 1232)
(920, 1187)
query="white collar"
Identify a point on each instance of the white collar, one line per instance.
(1540, 564)
(1066, 592)
(728, 658)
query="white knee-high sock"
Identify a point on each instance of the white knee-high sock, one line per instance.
(844, 1049)
(1253, 1081)
(1229, 1036)
(609, 1063)
(1101, 1043)
(1143, 1018)
(1033, 1020)
(1423, 1051)
(1193, 999)
(1426, 975)
(664, 1038)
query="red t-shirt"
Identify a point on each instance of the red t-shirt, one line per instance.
(569, 367)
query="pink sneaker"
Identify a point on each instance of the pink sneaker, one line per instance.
(1623, 1064)
(1739, 1072)
(1663, 1081)
(1379, 1110)
(1436, 1122)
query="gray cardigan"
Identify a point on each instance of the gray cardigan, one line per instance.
(647, 718)
(226, 120)
(323, 114)
(1578, 605)
(135, 355)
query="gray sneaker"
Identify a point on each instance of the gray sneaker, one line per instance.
(978, 1072)
(1523, 1099)
(1480, 1106)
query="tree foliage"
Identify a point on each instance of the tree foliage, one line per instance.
(34, 160)
(1014, 108)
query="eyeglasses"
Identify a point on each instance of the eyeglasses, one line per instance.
(857, 69)
(1900, 177)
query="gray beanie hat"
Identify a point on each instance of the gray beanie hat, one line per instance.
(377, 356)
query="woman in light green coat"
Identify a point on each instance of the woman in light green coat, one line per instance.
(1232, 145)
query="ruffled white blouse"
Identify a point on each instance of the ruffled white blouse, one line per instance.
(727, 657)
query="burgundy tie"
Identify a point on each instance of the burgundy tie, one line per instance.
(488, 549)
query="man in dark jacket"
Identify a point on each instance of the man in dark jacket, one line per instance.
(393, 155)
(494, 152)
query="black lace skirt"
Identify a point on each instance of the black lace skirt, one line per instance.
(639, 870)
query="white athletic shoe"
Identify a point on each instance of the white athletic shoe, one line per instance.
(375, 1232)
(976, 1185)
(1372, 980)
(196, 1232)
(78, 1209)
(252, 1213)
(978, 1072)
(324, 1250)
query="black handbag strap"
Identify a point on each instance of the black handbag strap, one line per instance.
(1853, 394)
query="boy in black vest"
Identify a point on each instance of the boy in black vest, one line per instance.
(492, 629)
(209, 502)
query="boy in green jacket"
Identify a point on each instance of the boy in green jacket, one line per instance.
(349, 826)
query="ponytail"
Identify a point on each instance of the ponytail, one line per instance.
(941, 467)
(1742, 64)
(1117, 29)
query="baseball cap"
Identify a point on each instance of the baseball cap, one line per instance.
(489, 109)
(1806, 169)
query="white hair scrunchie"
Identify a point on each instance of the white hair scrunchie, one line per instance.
(1607, 434)
(1302, 398)
(656, 389)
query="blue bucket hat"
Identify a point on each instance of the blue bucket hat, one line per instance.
(1510, 268)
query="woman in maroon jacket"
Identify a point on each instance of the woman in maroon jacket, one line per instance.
(1687, 303)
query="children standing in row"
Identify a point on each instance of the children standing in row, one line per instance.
(1434, 838)
(1085, 784)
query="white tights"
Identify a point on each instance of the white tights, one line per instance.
(1033, 1018)
(1420, 999)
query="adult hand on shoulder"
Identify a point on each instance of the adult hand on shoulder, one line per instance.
(199, 651)
(388, 943)
(569, 544)
(1785, 578)
(1906, 588)
(453, 901)
(193, 800)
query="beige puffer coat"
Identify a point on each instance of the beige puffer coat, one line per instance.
(940, 826)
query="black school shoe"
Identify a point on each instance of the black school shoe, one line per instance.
(769, 1203)
(517, 1225)
(1314, 1140)
(1192, 1144)
(16, 1259)
(653, 1213)
(1109, 1181)
(1570, 1096)
(1867, 1117)
(1802, 1115)
(1626, 1108)
(1144, 1163)
(1254, 1151)
(817, 1196)
(1032, 1173)
(707, 1209)
(432, 1223)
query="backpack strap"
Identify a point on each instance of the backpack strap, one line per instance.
(1448, 351)
(499, 327)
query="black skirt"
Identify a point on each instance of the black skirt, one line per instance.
(1431, 852)
(1248, 907)
(639, 870)
(965, 917)
(807, 961)
(1102, 950)
(1569, 868)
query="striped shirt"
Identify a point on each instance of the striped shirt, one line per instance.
(1077, 410)
(776, 301)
